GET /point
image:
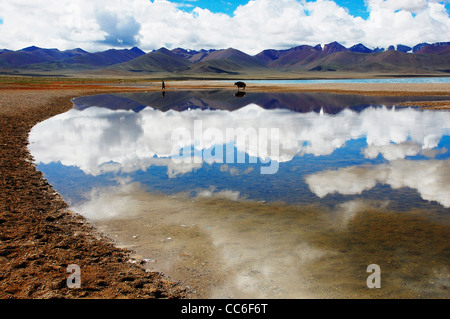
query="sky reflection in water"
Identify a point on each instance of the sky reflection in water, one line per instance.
(350, 163)
(325, 152)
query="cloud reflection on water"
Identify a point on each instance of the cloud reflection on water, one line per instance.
(91, 138)
(264, 252)
(430, 178)
(99, 141)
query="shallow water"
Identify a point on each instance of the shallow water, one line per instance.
(385, 80)
(272, 196)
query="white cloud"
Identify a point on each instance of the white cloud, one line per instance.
(111, 202)
(430, 178)
(393, 22)
(407, 5)
(393, 151)
(211, 193)
(98, 140)
(258, 25)
(121, 31)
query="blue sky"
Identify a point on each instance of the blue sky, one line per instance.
(217, 6)
(356, 8)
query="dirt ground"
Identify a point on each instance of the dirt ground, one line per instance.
(40, 237)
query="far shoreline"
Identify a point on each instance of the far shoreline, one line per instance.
(154, 84)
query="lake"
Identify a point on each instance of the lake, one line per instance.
(380, 80)
(262, 195)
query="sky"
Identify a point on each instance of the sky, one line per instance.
(355, 7)
(248, 25)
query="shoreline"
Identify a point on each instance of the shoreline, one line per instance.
(40, 237)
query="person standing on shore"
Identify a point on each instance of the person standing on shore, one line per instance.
(163, 86)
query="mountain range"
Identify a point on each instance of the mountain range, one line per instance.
(423, 58)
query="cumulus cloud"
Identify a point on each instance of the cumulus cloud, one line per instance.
(407, 5)
(406, 22)
(393, 151)
(257, 25)
(100, 140)
(212, 193)
(111, 202)
(235, 171)
(119, 31)
(430, 178)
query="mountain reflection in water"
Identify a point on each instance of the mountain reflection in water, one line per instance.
(230, 100)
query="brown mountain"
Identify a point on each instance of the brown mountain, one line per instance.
(35, 58)
(435, 48)
(423, 58)
(387, 61)
(229, 61)
(34, 55)
(156, 61)
(290, 58)
(333, 47)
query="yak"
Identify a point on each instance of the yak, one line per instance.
(239, 94)
(240, 84)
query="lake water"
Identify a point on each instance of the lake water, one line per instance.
(385, 80)
(280, 195)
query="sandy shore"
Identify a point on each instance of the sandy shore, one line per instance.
(40, 237)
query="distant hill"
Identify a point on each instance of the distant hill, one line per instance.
(361, 48)
(52, 59)
(427, 58)
(290, 58)
(386, 62)
(192, 55)
(159, 60)
(435, 48)
(106, 58)
(231, 55)
(34, 55)
(333, 47)
(225, 61)
(228, 61)
(423, 58)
